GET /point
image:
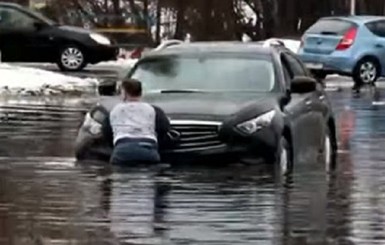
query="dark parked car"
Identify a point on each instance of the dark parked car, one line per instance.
(242, 101)
(27, 36)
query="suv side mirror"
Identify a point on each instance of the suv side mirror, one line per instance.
(302, 84)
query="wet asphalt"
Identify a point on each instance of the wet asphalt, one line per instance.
(46, 197)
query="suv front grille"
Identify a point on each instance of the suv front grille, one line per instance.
(197, 135)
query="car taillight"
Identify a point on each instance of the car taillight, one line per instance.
(348, 39)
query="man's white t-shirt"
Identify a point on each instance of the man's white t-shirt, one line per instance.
(133, 119)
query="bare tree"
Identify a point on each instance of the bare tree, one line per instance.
(209, 19)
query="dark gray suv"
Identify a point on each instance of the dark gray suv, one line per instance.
(241, 101)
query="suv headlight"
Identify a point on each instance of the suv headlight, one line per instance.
(255, 124)
(100, 39)
(91, 125)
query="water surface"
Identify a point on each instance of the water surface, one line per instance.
(46, 197)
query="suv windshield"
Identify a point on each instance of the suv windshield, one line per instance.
(214, 74)
(330, 26)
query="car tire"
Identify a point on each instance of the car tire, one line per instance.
(71, 58)
(284, 159)
(366, 71)
(329, 151)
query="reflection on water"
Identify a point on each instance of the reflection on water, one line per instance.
(48, 198)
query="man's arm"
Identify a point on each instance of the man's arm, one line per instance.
(162, 126)
(107, 130)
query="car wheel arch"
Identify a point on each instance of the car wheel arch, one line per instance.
(372, 57)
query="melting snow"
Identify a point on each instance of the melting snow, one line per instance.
(122, 63)
(32, 81)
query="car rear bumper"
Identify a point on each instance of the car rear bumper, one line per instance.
(332, 63)
(100, 53)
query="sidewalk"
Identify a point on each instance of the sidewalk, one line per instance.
(103, 70)
(104, 66)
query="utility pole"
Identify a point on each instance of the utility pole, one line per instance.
(352, 7)
(106, 13)
(146, 17)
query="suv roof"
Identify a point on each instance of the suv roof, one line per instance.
(218, 47)
(358, 19)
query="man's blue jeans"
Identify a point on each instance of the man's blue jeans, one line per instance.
(131, 151)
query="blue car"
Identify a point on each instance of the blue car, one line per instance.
(351, 46)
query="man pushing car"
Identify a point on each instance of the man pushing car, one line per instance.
(136, 127)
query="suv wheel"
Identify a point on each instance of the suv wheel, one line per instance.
(71, 58)
(366, 71)
(329, 152)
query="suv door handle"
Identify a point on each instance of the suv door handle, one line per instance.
(379, 45)
(322, 97)
(308, 102)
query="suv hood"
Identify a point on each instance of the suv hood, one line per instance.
(205, 106)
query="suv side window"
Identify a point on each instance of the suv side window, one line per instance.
(14, 19)
(295, 65)
(377, 28)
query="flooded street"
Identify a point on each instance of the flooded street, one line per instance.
(46, 197)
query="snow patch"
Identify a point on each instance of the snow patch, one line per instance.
(32, 81)
(123, 63)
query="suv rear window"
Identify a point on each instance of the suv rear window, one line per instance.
(330, 26)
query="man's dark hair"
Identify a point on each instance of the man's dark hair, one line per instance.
(132, 87)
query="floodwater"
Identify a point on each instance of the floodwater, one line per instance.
(46, 197)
